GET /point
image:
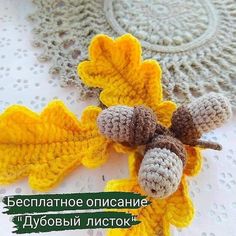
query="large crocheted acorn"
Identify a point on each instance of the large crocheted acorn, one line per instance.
(190, 121)
(130, 125)
(165, 155)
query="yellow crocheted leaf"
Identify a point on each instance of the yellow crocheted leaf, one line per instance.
(117, 67)
(157, 217)
(179, 207)
(151, 217)
(135, 160)
(46, 147)
(194, 161)
(120, 148)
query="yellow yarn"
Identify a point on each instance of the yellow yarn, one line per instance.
(116, 66)
(156, 218)
(46, 147)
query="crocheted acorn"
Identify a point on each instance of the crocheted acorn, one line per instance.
(204, 114)
(162, 166)
(130, 125)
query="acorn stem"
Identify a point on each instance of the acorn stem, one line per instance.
(208, 144)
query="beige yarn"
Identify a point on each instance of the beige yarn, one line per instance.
(115, 123)
(133, 126)
(210, 112)
(194, 40)
(164, 152)
(202, 115)
(160, 172)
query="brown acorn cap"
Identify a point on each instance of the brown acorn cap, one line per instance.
(170, 143)
(183, 125)
(202, 115)
(143, 125)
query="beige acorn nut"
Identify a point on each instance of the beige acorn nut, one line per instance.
(129, 125)
(190, 121)
(162, 166)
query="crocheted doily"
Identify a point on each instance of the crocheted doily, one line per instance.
(193, 40)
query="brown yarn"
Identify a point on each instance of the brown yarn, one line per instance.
(161, 130)
(138, 125)
(143, 125)
(170, 143)
(182, 125)
(207, 144)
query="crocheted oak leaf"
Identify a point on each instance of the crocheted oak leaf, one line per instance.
(116, 66)
(161, 213)
(47, 146)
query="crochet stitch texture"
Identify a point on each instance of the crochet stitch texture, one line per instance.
(164, 156)
(190, 121)
(117, 68)
(194, 40)
(134, 126)
(160, 172)
(47, 146)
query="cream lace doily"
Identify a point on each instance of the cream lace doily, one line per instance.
(194, 40)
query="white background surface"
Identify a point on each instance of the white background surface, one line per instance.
(24, 80)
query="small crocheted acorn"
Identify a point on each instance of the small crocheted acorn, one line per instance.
(190, 121)
(130, 125)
